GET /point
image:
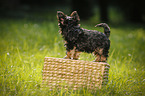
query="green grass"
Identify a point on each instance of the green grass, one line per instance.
(25, 43)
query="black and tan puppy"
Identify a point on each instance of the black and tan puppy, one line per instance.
(79, 40)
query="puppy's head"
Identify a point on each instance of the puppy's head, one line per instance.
(65, 20)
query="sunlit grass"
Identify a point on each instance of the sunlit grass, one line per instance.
(24, 44)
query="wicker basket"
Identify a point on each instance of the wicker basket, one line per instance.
(67, 73)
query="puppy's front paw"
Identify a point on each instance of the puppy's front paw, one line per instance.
(66, 57)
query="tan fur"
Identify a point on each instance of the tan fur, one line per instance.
(97, 58)
(99, 50)
(103, 59)
(98, 53)
(70, 54)
(100, 59)
(76, 55)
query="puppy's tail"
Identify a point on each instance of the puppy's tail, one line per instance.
(106, 28)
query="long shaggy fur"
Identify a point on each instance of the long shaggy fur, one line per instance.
(79, 40)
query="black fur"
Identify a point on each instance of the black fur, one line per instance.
(83, 40)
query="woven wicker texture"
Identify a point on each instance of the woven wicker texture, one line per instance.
(67, 73)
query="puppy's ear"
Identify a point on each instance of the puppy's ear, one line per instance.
(60, 15)
(75, 15)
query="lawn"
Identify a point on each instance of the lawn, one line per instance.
(24, 43)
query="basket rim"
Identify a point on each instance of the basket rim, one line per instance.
(101, 63)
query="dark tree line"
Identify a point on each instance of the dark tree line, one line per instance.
(83, 7)
(134, 11)
(103, 5)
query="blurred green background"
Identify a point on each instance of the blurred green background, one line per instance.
(29, 32)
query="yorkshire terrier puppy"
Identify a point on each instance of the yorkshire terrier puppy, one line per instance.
(79, 40)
